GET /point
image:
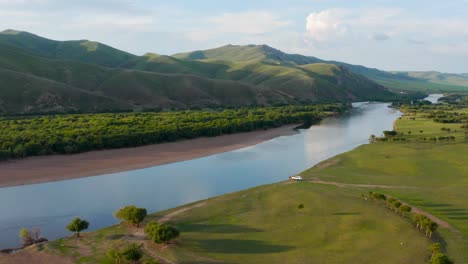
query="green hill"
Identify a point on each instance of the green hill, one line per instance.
(439, 77)
(396, 81)
(80, 50)
(226, 76)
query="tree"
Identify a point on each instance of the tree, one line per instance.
(405, 209)
(300, 206)
(440, 258)
(435, 248)
(131, 214)
(26, 237)
(160, 233)
(432, 227)
(131, 253)
(396, 205)
(77, 225)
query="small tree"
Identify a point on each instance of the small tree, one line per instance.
(131, 214)
(439, 258)
(300, 206)
(77, 225)
(396, 205)
(26, 237)
(160, 233)
(131, 253)
(405, 209)
(435, 248)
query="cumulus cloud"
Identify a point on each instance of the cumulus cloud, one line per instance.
(327, 24)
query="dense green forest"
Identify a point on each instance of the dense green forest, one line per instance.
(74, 133)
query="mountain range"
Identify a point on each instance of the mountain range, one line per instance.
(39, 75)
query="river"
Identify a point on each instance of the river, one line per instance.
(51, 206)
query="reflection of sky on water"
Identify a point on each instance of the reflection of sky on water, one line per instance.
(52, 205)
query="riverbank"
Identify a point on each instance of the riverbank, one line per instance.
(64, 167)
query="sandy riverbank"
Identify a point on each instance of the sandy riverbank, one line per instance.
(63, 167)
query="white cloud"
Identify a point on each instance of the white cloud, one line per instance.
(328, 24)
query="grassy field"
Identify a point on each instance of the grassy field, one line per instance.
(264, 225)
(438, 171)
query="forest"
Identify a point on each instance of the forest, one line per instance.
(75, 133)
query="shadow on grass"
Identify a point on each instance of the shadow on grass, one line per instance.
(239, 246)
(217, 228)
(203, 262)
(347, 213)
(458, 217)
(435, 205)
(115, 237)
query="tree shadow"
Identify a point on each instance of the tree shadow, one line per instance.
(217, 228)
(347, 213)
(435, 205)
(458, 217)
(115, 237)
(239, 246)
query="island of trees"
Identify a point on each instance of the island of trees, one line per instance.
(74, 133)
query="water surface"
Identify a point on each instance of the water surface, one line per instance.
(51, 206)
(434, 98)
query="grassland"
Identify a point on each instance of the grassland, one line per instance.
(438, 171)
(264, 225)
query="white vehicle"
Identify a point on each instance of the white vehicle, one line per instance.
(296, 178)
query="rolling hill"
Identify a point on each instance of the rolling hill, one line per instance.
(43, 75)
(396, 81)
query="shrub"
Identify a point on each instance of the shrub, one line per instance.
(300, 206)
(131, 253)
(131, 214)
(160, 233)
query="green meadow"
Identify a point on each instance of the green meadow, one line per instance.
(436, 171)
(265, 225)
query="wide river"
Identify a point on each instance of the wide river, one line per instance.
(51, 206)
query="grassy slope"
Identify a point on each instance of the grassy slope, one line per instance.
(438, 170)
(264, 225)
(125, 88)
(410, 82)
(80, 50)
(438, 77)
(253, 75)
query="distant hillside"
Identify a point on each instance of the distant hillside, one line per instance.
(61, 74)
(393, 80)
(438, 77)
(80, 50)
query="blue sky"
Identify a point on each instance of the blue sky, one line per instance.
(390, 35)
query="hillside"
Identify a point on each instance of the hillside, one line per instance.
(227, 76)
(80, 50)
(32, 84)
(397, 81)
(439, 77)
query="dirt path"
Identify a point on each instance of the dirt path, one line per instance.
(416, 210)
(168, 217)
(340, 184)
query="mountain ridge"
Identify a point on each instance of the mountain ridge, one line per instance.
(230, 76)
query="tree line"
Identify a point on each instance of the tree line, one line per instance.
(422, 223)
(74, 133)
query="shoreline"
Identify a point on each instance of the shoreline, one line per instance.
(43, 169)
